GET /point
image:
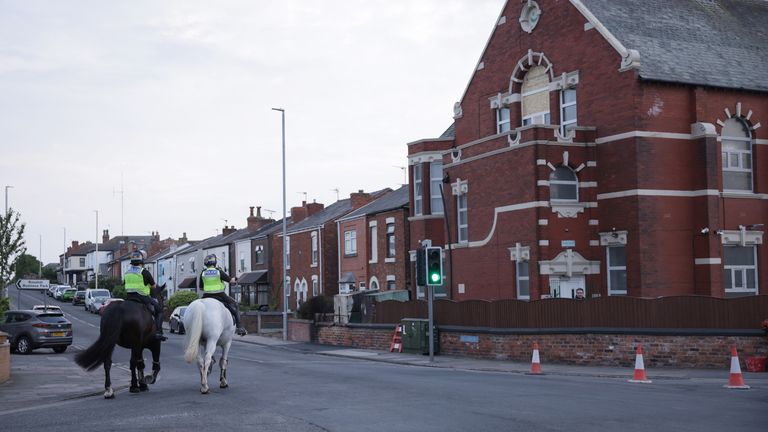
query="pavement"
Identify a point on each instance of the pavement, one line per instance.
(44, 378)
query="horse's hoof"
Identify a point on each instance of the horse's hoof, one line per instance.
(109, 394)
(150, 380)
(223, 385)
(144, 388)
(204, 391)
(134, 389)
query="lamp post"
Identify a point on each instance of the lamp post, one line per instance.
(285, 239)
(6, 199)
(96, 256)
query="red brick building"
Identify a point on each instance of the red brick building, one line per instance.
(614, 146)
(374, 244)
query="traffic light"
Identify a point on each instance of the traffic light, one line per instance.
(434, 266)
(421, 267)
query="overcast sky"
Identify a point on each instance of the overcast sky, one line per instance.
(176, 96)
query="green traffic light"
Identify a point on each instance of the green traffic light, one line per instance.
(435, 277)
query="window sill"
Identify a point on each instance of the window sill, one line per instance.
(373, 261)
(389, 260)
(313, 265)
(567, 209)
(350, 255)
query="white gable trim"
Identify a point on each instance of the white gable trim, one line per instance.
(630, 59)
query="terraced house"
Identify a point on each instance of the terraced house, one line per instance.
(609, 145)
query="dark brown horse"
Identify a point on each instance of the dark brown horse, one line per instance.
(130, 325)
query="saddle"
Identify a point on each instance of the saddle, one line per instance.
(147, 306)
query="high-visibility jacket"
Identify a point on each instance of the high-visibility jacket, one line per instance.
(134, 281)
(212, 281)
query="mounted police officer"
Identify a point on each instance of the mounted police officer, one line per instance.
(138, 285)
(212, 280)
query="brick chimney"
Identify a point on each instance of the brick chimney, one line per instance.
(227, 230)
(183, 238)
(256, 222)
(75, 244)
(155, 236)
(298, 214)
(314, 207)
(360, 199)
(105, 236)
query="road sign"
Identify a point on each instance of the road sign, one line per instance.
(32, 284)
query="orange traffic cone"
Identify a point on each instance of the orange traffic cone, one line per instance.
(736, 381)
(639, 376)
(535, 362)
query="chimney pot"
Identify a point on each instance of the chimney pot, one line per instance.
(251, 210)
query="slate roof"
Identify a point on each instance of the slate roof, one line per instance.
(719, 43)
(330, 213)
(391, 201)
(450, 132)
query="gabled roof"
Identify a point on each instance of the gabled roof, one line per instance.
(330, 213)
(115, 243)
(450, 132)
(203, 244)
(266, 230)
(721, 43)
(391, 201)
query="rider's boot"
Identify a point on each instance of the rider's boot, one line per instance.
(159, 328)
(239, 329)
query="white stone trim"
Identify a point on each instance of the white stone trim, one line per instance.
(372, 224)
(461, 288)
(389, 260)
(643, 134)
(568, 263)
(743, 195)
(613, 238)
(459, 187)
(542, 183)
(540, 162)
(630, 58)
(594, 222)
(761, 141)
(591, 164)
(708, 261)
(520, 252)
(390, 278)
(512, 147)
(568, 209)
(594, 242)
(504, 209)
(658, 192)
(543, 242)
(543, 222)
(389, 220)
(412, 255)
(501, 21)
(741, 237)
(588, 184)
(424, 157)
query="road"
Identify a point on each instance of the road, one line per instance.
(285, 388)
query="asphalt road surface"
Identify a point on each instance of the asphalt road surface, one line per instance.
(284, 389)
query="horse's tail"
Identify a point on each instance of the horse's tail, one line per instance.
(193, 324)
(96, 354)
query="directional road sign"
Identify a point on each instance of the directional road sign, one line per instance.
(32, 284)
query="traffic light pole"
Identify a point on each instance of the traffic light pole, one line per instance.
(431, 293)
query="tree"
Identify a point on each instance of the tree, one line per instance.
(50, 274)
(11, 245)
(26, 265)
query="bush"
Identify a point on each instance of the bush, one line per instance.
(315, 305)
(181, 298)
(118, 291)
(5, 304)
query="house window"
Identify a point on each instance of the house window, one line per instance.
(417, 192)
(192, 265)
(617, 270)
(390, 240)
(262, 294)
(374, 285)
(350, 243)
(259, 254)
(523, 287)
(567, 110)
(82, 262)
(502, 120)
(314, 248)
(740, 270)
(535, 96)
(362, 286)
(391, 285)
(242, 262)
(314, 287)
(462, 223)
(563, 185)
(374, 243)
(435, 181)
(737, 156)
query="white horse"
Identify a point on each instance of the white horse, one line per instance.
(209, 321)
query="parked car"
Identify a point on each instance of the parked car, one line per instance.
(68, 294)
(176, 323)
(108, 302)
(83, 285)
(49, 308)
(94, 298)
(29, 330)
(79, 298)
(51, 289)
(59, 291)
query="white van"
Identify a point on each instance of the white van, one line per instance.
(94, 298)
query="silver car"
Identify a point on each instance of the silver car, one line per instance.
(29, 329)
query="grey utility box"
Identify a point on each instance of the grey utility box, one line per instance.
(416, 337)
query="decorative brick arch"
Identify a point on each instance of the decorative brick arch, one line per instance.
(738, 114)
(528, 61)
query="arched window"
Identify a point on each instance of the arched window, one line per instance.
(737, 155)
(535, 96)
(563, 185)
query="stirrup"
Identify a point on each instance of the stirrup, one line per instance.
(241, 331)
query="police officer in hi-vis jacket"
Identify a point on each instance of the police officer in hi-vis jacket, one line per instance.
(212, 280)
(138, 283)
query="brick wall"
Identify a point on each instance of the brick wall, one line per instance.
(586, 349)
(5, 358)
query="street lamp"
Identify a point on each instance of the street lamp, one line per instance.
(96, 256)
(6, 200)
(285, 239)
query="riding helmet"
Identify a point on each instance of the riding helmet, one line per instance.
(210, 260)
(137, 258)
